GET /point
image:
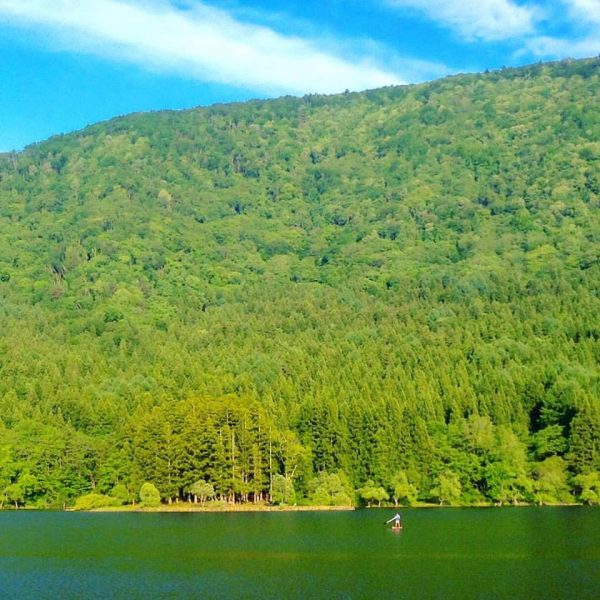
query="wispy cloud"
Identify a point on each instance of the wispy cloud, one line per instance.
(583, 38)
(488, 20)
(552, 47)
(498, 20)
(198, 41)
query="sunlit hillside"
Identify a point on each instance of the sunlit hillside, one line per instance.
(393, 291)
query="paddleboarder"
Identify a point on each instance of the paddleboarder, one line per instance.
(397, 520)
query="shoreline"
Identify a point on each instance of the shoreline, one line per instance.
(230, 508)
(244, 508)
(182, 507)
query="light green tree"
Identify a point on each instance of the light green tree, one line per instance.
(121, 493)
(331, 489)
(15, 493)
(202, 490)
(448, 488)
(149, 495)
(589, 486)
(403, 491)
(94, 501)
(372, 493)
(283, 490)
(550, 484)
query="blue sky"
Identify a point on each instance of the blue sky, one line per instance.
(68, 63)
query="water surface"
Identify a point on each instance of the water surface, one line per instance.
(441, 553)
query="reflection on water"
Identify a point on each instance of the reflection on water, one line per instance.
(439, 553)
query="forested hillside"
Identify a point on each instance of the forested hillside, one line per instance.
(389, 294)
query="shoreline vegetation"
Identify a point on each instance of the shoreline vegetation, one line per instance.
(186, 507)
(245, 508)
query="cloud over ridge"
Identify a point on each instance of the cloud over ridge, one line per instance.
(200, 42)
(487, 20)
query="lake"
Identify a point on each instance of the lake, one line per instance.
(441, 553)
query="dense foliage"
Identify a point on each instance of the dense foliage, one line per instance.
(382, 296)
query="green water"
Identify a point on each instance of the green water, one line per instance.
(441, 553)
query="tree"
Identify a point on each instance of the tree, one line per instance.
(94, 501)
(15, 494)
(293, 456)
(283, 490)
(157, 450)
(149, 495)
(550, 484)
(121, 493)
(371, 493)
(202, 490)
(403, 490)
(507, 476)
(549, 441)
(584, 443)
(331, 490)
(589, 487)
(26, 487)
(448, 488)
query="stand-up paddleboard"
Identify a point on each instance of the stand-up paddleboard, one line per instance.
(397, 522)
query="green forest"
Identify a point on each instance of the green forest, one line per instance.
(381, 297)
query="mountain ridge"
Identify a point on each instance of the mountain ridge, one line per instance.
(521, 71)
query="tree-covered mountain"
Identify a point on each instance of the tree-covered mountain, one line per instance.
(391, 293)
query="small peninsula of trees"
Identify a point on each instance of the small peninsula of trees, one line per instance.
(384, 297)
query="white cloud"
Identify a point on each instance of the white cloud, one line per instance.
(588, 10)
(199, 41)
(584, 17)
(551, 47)
(488, 20)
